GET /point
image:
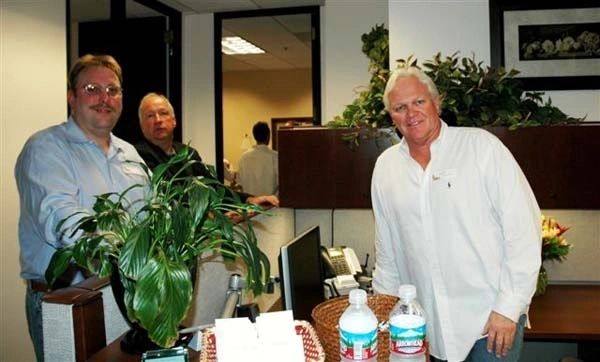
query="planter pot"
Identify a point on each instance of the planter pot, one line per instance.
(136, 340)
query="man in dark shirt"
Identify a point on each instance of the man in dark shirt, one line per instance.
(157, 121)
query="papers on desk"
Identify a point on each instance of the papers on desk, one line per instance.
(272, 338)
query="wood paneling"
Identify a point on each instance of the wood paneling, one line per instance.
(317, 169)
(560, 163)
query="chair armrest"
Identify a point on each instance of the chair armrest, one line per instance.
(81, 316)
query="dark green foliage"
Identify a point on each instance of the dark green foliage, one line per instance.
(478, 96)
(472, 95)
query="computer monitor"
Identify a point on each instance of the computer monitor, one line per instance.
(301, 273)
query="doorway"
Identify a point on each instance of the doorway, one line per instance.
(144, 36)
(284, 81)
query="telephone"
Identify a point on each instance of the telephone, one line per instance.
(340, 261)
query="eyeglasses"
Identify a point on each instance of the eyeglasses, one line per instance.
(94, 89)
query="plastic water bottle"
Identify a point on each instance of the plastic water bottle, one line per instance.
(358, 330)
(407, 327)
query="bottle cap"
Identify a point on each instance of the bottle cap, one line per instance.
(357, 296)
(407, 292)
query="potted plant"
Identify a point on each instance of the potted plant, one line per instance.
(477, 96)
(472, 95)
(151, 246)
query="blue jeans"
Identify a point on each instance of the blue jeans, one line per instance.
(479, 351)
(33, 308)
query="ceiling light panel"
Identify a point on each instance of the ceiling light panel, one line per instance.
(234, 45)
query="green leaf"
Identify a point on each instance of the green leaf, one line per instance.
(136, 252)
(59, 263)
(162, 298)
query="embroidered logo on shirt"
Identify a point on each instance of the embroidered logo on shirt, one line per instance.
(133, 170)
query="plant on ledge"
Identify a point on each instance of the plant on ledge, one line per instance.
(475, 96)
(367, 111)
(472, 95)
(155, 244)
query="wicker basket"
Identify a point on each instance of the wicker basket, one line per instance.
(327, 315)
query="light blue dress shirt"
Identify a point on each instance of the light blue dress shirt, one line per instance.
(59, 172)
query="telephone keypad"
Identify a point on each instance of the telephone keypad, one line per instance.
(340, 265)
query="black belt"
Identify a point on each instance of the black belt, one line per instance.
(38, 285)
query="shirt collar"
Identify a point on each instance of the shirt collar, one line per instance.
(441, 137)
(75, 134)
(435, 144)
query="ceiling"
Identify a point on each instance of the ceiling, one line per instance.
(286, 39)
(216, 6)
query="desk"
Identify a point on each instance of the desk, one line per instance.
(567, 313)
(113, 353)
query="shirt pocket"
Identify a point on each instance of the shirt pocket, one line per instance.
(444, 177)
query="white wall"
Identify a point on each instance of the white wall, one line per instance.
(198, 85)
(33, 96)
(343, 65)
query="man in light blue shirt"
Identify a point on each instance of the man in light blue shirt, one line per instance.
(62, 168)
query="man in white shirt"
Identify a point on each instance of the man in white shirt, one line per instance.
(456, 217)
(258, 172)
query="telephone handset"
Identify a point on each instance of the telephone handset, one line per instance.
(340, 261)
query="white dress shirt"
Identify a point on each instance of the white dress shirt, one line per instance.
(466, 231)
(258, 171)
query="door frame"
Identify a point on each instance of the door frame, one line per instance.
(118, 10)
(314, 12)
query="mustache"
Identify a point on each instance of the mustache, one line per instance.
(100, 106)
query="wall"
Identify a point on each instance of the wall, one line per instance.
(198, 100)
(344, 68)
(253, 96)
(32, 97)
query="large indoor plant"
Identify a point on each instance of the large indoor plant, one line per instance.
(472, 94)
(154, 244)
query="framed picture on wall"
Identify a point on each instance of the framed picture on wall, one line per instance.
(288, 122)
(553, 44)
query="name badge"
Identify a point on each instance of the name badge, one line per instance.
(132, 169)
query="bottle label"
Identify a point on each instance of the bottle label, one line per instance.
(358, 346)
(407, 334)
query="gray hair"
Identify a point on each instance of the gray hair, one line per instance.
(154, 95)
(405, 72)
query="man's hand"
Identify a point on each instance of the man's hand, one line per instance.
(501, 334)
(263, 200)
